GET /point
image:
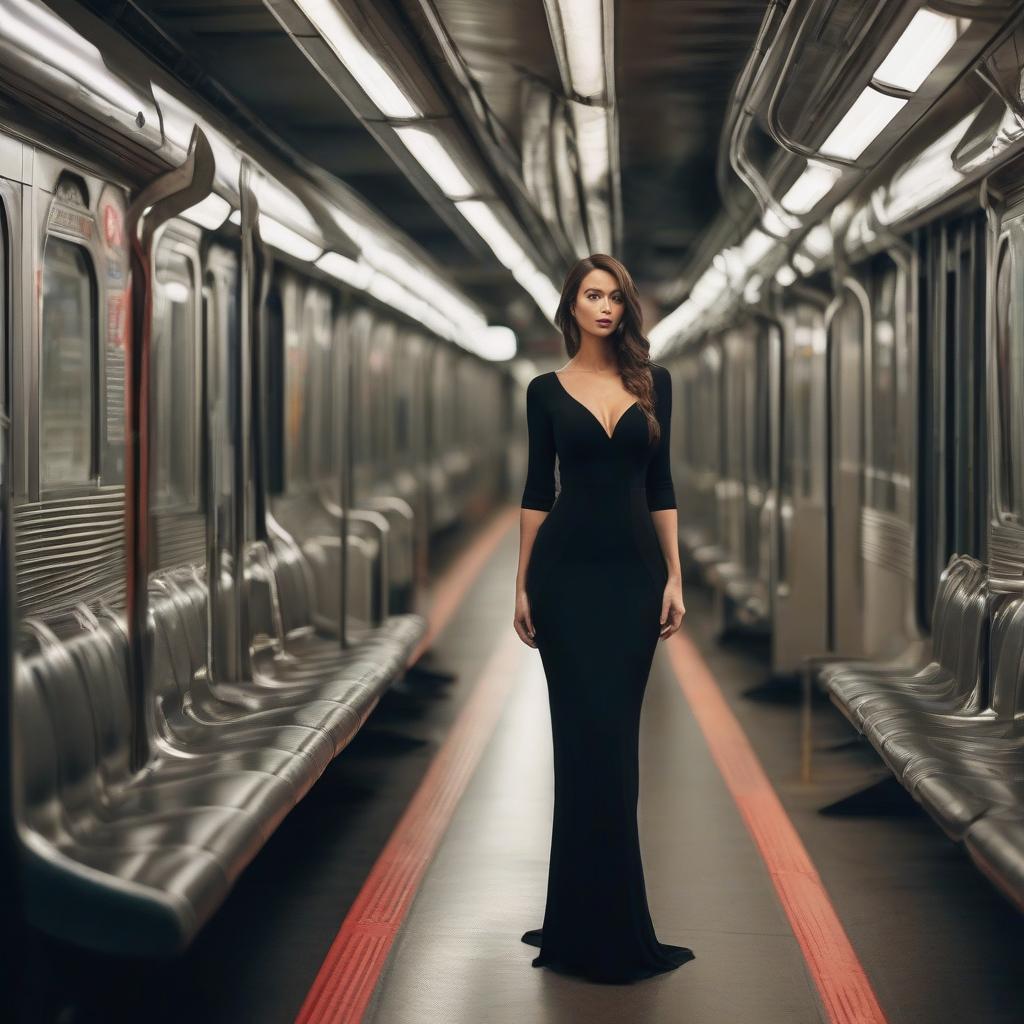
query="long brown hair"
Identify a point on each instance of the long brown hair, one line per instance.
(631, 348)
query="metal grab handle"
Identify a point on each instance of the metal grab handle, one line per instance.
(166, 197)
(377, 520)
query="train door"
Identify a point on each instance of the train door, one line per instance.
(10, 203)
(800, 619)
(732, 481)
(888, 513)
(950, 513)
(849, 326)
(711, 460)
(760, 496)
(1005, 543)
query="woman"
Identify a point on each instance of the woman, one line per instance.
(598, 583)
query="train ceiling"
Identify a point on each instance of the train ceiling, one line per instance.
(496, 82)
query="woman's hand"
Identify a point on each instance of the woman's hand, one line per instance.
(672, 608)
(522, 622)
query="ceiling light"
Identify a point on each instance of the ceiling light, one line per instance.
(582, 23)
(281, 203)
(539, 287)
(436, 161)
(861, 125)
(492, 231)
(811, 187)
(774, 224)
(592, 144)
(362, 235)
(819, 241)
(925, 41)
(510, 254)
(175, 291)
(803, 263)
(353, 272)
(708, 287)
(785, 275)
(364, 67)
(668, 327)
(208, 213)
(274, 233)
(497, 342)
(756, 246)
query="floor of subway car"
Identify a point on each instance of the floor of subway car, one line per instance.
(936, 943)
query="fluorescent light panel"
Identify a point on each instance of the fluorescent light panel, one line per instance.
(498, 342)
(818, 241)
(774, 224)
(756, 246)
(583, 32)
(592, 144)
(492, 231)
(861, 125)
(353, 272)
(208, 213)
(373, 78)
(917, 52)
(803, 263)
(281, 237)
(436, 161)
(811, 187)
(540, 289)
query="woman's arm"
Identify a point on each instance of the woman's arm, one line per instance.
(661, 500)
(538, 497)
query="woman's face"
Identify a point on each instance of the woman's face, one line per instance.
(600, 304)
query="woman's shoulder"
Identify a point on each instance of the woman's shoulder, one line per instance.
(537, 388)
(660, 374)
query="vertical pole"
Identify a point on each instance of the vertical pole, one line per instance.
(343, 354)
(229, 607)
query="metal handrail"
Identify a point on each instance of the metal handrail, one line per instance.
(167, 196)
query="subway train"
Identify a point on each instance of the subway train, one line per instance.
(194, 360)
(850, 440)
(243, 412)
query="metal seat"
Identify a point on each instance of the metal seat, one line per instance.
(136, 862)
(952, 732)
(859, 687)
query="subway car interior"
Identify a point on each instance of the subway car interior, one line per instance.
(275, 276)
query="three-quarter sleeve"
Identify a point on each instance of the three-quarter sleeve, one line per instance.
(539, 492)
(660, 492)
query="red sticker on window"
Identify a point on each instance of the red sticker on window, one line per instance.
(112, 230)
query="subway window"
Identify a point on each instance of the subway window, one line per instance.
(67, 365)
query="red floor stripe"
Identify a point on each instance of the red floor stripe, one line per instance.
(348, 975)
(845, 991)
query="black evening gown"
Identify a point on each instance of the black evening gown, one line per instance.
(595, 582)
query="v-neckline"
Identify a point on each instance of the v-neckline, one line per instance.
(591, 413)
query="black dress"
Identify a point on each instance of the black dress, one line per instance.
(595, 582)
